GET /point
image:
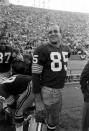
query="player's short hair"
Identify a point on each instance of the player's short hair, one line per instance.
(54, 25)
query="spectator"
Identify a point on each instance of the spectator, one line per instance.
(48, 77)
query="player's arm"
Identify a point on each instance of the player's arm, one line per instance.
(37, 68)
(84, 79)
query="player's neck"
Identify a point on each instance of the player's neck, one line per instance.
(57, 45)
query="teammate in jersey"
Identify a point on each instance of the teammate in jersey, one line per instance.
(6, 59)
(16, 93)
(48, 76)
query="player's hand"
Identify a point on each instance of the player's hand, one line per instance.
(41, 116)
(40, 113)
(39, 106)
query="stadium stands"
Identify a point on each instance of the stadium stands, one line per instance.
(29, 24)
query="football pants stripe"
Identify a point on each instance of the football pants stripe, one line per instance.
(23, 100)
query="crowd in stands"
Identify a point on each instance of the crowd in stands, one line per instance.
(26, 26)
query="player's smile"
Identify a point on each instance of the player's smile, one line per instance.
(54, 37)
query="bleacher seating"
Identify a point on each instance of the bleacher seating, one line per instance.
(30, 24)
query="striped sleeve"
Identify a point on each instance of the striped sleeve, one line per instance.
(36, 68)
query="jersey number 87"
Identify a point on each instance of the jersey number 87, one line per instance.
(6, 55)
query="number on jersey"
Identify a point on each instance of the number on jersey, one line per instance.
(4, 57)
(58, 61)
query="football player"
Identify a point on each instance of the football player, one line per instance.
(84, 82)
(16, 93)
(48, 77)
(7, 57)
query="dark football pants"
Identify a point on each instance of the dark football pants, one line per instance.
(52, 99)
(24, 101)
(85, 117)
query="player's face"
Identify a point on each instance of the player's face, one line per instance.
(54, 34)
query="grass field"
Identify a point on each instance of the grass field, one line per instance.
(72, 100)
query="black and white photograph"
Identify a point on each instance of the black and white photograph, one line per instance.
(44, 64)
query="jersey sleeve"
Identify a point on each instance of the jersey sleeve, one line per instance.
(39, 59)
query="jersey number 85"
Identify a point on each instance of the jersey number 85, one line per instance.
(56, 59)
